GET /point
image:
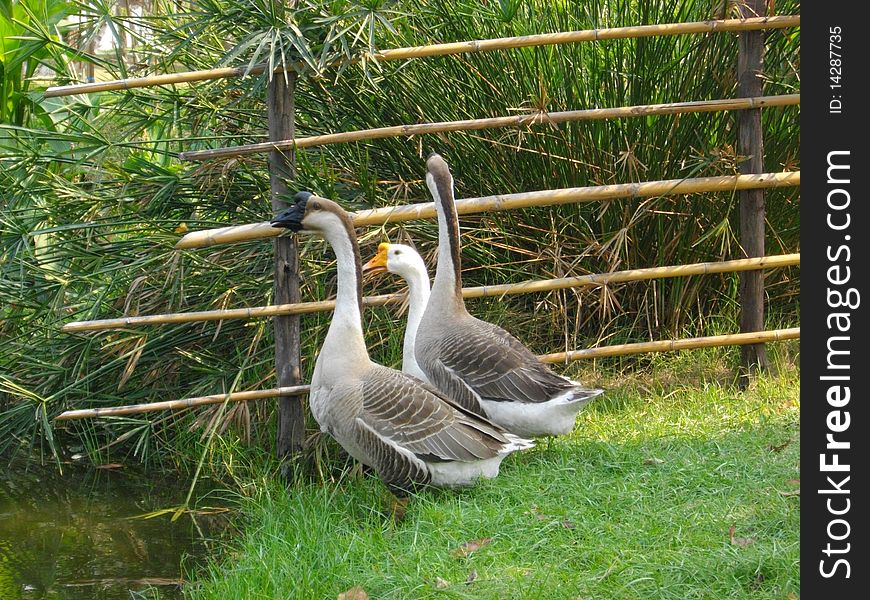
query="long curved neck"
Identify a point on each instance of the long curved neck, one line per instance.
(447, 287)
(345, 340)
(418, 297)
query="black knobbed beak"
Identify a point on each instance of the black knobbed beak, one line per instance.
(292, 217)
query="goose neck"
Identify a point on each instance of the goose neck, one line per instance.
(345, 335)
(418, 298)
(447, 286)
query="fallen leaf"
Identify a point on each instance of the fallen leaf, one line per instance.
(441, 584)
(469, 547)
(535, 510)
(653, 461)
(471, 577)
(791, 596)
(110, 466)
(793, 481)
(779, 447)
(567, 524)
(759, 579)
(398, 509)
(738, 541)
(796, 492)
(182, 228)
(354, 593)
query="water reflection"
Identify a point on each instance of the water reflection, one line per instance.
(72, 536)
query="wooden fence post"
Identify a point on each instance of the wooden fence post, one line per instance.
(750, 143)
(291, 420)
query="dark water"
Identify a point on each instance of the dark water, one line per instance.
(75, 536)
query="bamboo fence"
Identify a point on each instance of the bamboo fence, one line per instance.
(385, 215)
(543, 39)
(551, 118)
(557, 357)
(426, 210)
(733, 339)
(491, 291)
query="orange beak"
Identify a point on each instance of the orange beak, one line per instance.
(378, 263)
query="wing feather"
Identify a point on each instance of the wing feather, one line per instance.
(426, 423)
(485, 361)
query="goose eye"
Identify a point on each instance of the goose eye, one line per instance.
(397, 252)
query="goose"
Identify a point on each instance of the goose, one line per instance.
(405, 430)
(405, 262)
(477, 364)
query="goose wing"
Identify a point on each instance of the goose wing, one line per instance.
(409, 414)
(481, 359)
(396, 469)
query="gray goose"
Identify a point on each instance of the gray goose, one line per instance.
(477, 364)
(407, 431)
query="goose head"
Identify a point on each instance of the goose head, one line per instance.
(439, 180)
(399, 259)
(328, 220)
(311, 213)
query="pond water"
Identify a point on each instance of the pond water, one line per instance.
(79, 534)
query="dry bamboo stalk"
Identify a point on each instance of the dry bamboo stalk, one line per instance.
(134, 409)
(426, 210)
(301, 308)
(591, 35)
(538, 285)
(496, 122)
(601, 352)
(543, 39)
(735, 339)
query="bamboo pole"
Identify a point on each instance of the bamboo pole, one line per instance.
(557, 357)
(734, 339)
(491, 291)
(542, 39)
(426, 210)
(290, 434)
(134, 409)
(750, 143)
(552, 118)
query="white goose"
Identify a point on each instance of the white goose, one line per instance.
(405, 430)
(477, 364)
(405, 262)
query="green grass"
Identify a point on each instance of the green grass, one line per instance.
(637, 503)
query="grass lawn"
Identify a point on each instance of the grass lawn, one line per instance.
(673, 485)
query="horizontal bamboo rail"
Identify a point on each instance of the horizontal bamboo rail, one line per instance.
(134, 409)
(734, 339)
(426, 210)
(551, 118)
(558, 357)
(543, 39)
(538, 285)
(301, 308)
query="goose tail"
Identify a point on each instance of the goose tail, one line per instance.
(515, 443)
(576, 396)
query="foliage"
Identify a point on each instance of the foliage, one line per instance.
(30, 36)
(92, 205)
